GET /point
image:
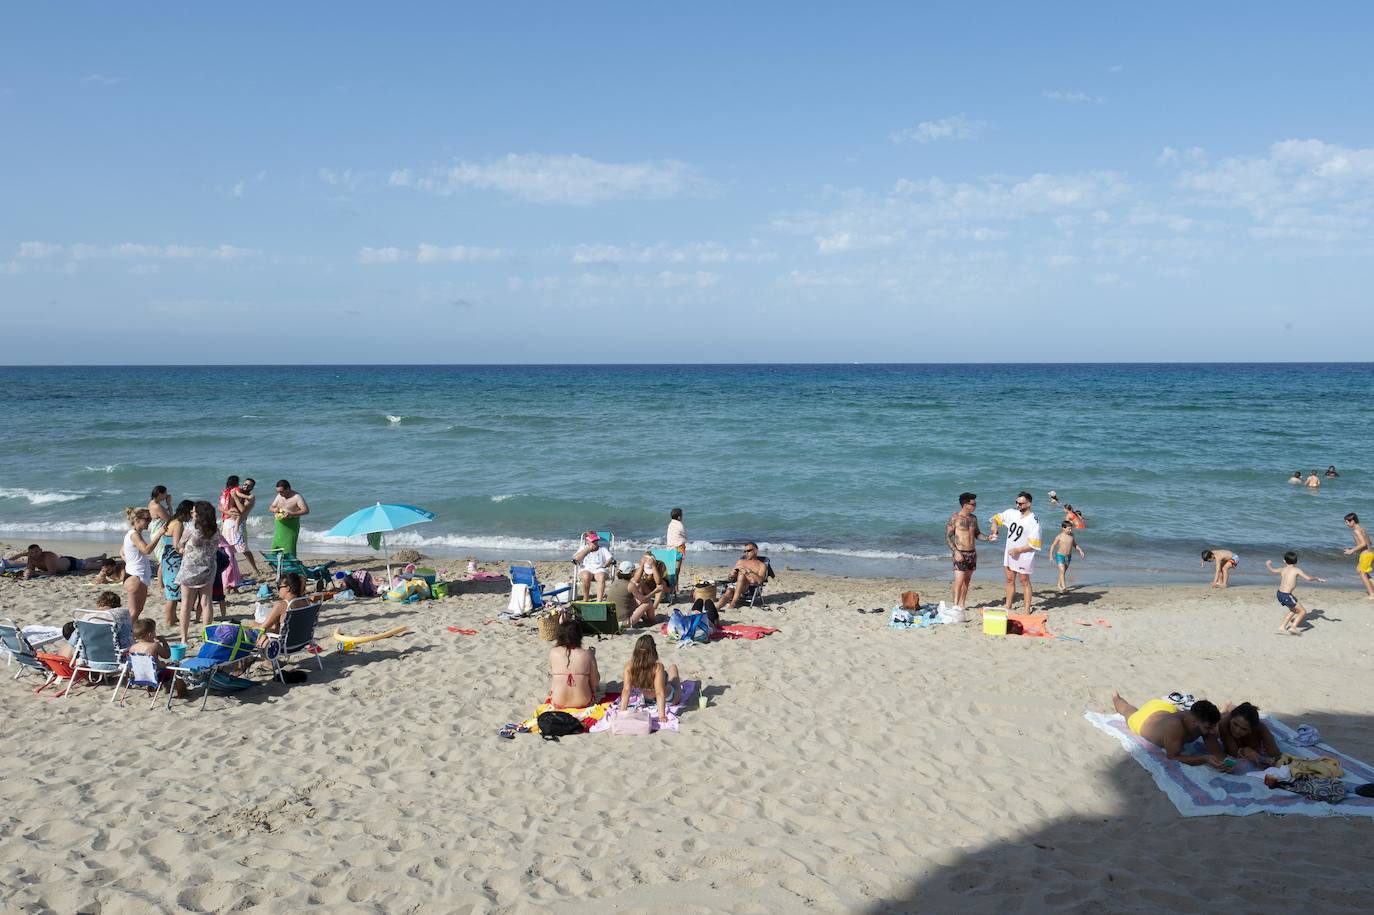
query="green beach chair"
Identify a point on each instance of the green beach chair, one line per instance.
(286, 563)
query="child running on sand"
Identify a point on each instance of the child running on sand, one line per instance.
(1225, 560)
(1288, 582)
(1063, 548)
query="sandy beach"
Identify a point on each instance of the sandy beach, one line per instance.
(840, 766)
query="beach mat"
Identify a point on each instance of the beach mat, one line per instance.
(686, 694)
(1201, 791)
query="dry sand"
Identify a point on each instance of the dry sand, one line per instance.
(840, 766)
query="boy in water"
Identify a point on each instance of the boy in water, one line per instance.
(1225, 560)
(1288, 581)
(1063, 548)
(1365, 564)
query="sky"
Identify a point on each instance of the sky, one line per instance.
(719, 182)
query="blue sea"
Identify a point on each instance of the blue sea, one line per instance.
(848, 469)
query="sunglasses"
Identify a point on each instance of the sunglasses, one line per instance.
(1022, 504)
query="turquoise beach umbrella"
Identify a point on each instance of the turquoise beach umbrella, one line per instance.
(378, 519)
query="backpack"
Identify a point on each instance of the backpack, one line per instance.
(553, 725)
(361, 584)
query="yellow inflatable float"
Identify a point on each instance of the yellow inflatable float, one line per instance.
(350, 642)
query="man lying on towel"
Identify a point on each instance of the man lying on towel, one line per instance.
(1171, 728)
(40, 561)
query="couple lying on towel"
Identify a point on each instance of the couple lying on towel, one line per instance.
(1234, 734)
(576, 679)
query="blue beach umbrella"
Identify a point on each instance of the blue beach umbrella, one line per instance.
(378, 519)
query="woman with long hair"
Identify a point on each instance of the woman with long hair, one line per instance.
(646, 673)
(573, 668)
(171, 560)
(160, 511)
(197, 548)
(138, 569)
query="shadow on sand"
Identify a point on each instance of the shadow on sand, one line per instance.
(1145, 857)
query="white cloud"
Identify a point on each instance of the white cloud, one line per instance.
(562, 179)
(707, 252)
(400, 177)
(346, 178)
(1060, 95)
(1106, 279)
(663, 280)
(1115, 68)
(1062, 260)
(11, 267)
(37, 250)
(1301, 189)
(957, 127)
(237, 190)
(428, 254)
(101, 79)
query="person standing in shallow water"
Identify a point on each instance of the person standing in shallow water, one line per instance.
(289, 507)
(962, 535)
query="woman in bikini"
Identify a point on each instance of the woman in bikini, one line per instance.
(1245, 737)
(646, 673)
(575, 675)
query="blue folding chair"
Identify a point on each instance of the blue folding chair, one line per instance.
(524, 574)
(672, 565)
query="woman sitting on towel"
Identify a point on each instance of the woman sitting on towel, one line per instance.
(575, 676)
(1245, 737)
(645, 672)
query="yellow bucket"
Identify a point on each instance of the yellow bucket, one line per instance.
(994, 622)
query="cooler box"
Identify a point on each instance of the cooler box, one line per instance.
(429, 575)
(994, 622)
(597, 616)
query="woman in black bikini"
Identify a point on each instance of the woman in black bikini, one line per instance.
(575, 676)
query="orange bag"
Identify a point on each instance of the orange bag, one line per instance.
(1032, 624)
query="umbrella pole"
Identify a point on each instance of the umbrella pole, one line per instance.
(388, 560)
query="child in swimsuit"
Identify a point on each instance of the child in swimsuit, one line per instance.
(1063, 548)
(646, 673)
(1294, 612)
(1225, 561)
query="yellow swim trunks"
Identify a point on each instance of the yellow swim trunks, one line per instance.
(1366, 565)
(1142, 714)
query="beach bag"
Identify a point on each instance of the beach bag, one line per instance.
(704, 590)
(696, 628)
(228, 642)
(520, 600)
(553, 725)
(948, 613)
(632, 722)
(911, 601)
(676, 623)
(360, 583)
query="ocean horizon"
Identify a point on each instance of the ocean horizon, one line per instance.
(850, 468)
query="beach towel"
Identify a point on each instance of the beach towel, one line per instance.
(688, 691)
(733, 631)
(1035, 625)
(588, 715)
(1200, 791)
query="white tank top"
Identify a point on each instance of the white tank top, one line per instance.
(135, 563)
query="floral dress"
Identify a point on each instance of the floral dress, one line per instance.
(197, 561)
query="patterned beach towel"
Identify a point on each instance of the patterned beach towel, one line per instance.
(589, 715)
(1201, 791)
(689, 689)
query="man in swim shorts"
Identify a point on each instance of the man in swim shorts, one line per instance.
(1023, 542)
(1171, 728)
(962, 536)
(39, 561)
(1365, 564)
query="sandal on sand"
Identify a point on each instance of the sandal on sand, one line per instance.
(507, 731)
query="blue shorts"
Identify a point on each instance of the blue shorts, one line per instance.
(1062, 559)
(1286, 599)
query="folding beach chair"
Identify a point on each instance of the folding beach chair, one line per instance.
(672, 565)
(142, 670)
(227, 645)
(20, 652)
(100, 648)
(754, 596)
(297, 634)
(286, 563)
(522, 573)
